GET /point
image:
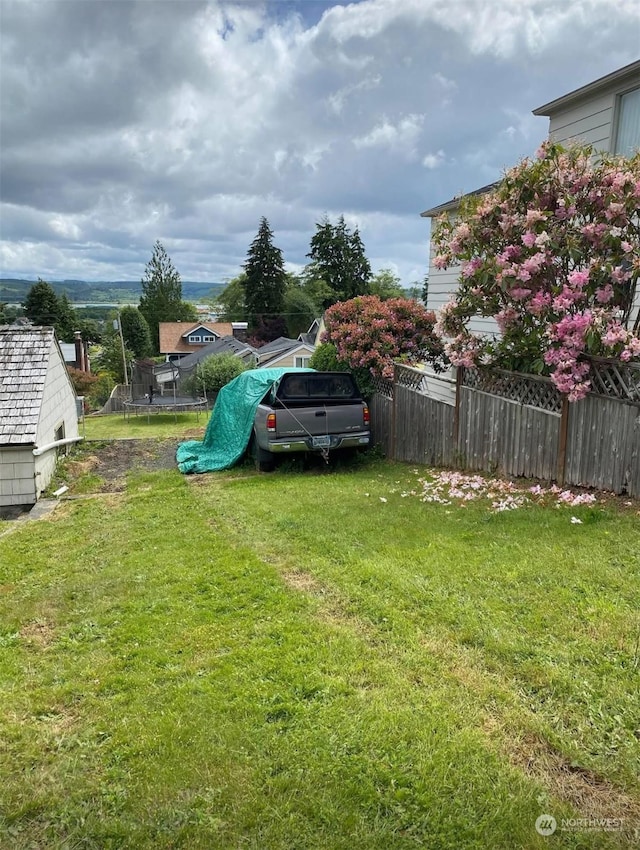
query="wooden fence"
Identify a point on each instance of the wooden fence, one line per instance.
(517, 425)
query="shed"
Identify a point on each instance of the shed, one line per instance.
(38, 412)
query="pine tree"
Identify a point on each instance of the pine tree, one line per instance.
(265, 281)
(161, 299)
(338, 257)
(41, 304)
(44, 308)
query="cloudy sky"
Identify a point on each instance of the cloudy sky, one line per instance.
(125, 122)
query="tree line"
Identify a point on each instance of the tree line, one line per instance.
(275, 302)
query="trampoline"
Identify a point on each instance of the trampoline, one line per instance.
(155, 403)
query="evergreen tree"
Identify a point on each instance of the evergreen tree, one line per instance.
(265, 281)
(161, 299)
(44, 308)
(338, 257)
(136, 332)
(65, 323)
(41, 304)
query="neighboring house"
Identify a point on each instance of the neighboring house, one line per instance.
(76, 353)
(178, 339)
(38, 412)
(166, 373)
(605, 113)
(312, 336)
(285, 352)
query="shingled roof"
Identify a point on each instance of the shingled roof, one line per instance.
(24, 359)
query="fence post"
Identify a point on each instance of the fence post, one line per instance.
(562, 440)
(456, 410)
(394, 403)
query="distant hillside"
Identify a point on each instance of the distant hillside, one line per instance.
(14, 291)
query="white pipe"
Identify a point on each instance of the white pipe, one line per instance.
(42, 449)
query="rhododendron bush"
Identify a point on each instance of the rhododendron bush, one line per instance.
(369, 333)
(553, 254)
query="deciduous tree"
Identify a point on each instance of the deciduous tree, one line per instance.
(136, 332)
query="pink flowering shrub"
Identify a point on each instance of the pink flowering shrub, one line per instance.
(371, 334)
(553, 254)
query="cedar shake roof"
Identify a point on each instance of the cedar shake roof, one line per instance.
(24, 359)
(173, 339)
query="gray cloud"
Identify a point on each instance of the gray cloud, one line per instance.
(186, 121)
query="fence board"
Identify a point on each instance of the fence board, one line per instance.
(424, 429)
(603, 446)
(381, 408)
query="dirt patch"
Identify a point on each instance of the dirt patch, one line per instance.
(38, 633)
(114, 460)
(301, 582)
(591, 795)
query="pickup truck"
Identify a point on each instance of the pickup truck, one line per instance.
(309, 412)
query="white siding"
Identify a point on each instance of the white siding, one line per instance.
(590, 122)
(58, 408)
(17, 477)
(58, 402)
(443, 283)
(440, 387)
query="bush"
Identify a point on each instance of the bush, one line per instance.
(214, 373)
(100, 390)
(325, 359)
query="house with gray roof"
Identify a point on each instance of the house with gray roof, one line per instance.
(38, 412)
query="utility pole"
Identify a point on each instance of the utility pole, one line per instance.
(117, 324)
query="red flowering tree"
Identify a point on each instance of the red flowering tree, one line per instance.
(553, 254)
(371, 334)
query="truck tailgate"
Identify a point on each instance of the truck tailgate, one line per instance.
(320, 419)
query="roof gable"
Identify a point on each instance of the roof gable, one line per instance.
(24, 360)
(174, 335)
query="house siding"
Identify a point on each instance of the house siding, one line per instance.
(591, 123)
(17, 476)
(58, 402)
(443, 283)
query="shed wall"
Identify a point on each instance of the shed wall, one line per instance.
(17, 476)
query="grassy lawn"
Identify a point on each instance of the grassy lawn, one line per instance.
(317, 660)
(159, 425)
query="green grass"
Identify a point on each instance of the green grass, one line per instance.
(160, 425)
(286, 661)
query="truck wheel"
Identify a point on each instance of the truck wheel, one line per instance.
(264, 461)
(263, 465)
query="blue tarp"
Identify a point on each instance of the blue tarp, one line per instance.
(231, 423)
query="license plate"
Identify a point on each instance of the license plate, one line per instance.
(321, 442)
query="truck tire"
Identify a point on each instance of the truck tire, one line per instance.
(264, 460)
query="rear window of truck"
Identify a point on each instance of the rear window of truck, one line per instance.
(335, 386)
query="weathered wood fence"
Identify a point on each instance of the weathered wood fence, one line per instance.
(517, 425)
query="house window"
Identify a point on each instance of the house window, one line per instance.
(628, 132)
(208, 339)
(302, 362)
(59, 433)
(194, 340)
